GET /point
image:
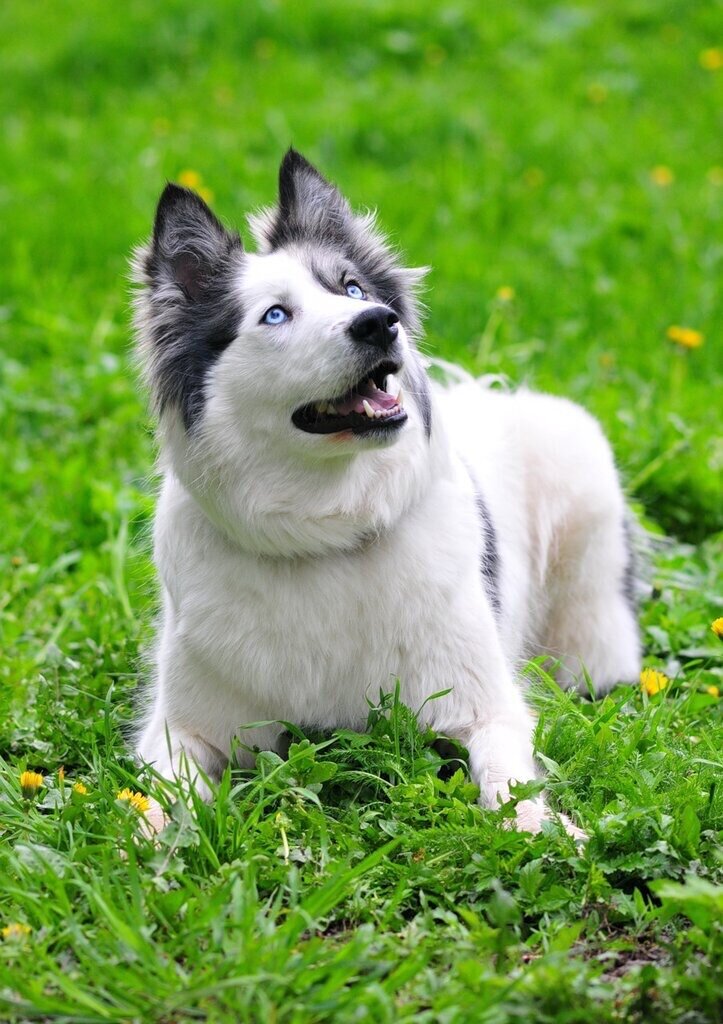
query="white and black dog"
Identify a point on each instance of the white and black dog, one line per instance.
(330, 520)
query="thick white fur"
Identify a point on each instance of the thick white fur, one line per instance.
(303, 572)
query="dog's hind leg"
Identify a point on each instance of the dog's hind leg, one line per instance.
(592, 618)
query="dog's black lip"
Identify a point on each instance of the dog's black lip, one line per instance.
(354, 423)
(306, 417)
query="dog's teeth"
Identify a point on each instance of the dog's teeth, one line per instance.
(390, 384)
(400, 399)
(371, 384)
(378, 414)
(331, 409)
(320, 406)
(368, 409)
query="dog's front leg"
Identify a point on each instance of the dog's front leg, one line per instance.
(493, 721)
(176, 753)
(500, 753)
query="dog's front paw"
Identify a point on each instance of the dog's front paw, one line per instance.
(531, 814)
(153, 821)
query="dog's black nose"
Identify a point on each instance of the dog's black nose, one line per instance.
(376, 326)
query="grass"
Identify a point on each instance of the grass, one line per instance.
(514, 147)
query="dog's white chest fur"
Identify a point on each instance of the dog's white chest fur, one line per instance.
(307, 639)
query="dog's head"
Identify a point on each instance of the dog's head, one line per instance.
(303, 350)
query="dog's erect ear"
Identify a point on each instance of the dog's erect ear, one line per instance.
(308, 203)
(187, 311)
(309, 208)
(190, 245)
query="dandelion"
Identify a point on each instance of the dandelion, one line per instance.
(713, 691)
(16, 931)
(189, 179)
(505, 293)
(61, 774)
(137, 801)
(80, 788)
(30, 783)
(435, 55)
(265, 48)
(597, 93)
(686, 337)
(711, 59)
(652, 681)
(662, 176)
(533, 177)
(717, 627)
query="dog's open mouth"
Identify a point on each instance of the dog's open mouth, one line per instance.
(369, 406)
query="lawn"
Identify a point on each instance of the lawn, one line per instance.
(558, 165)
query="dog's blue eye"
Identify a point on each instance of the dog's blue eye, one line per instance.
(275, 315)
(354, 291)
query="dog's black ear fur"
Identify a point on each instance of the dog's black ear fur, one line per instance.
(190, 246)
(187, 311)
(309, 207)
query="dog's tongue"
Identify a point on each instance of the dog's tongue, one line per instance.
(376, 398)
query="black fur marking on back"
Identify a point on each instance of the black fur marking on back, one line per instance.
(630, 571)
(192, 313)
(490, 561)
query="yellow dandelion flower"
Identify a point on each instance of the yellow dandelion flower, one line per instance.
(652, 681)
(80, 788)
(717, 627)
(205, 193)
(597, 93)
(17, 931)
(533, 177)
(662, 176)
(711, 59)
(715, 176)
(686, 337)
(505, 293)
(265, 48)
(137, 801)
(30, 783)
(190, 179)
(61, 773)
(435, 55)
(713, 691)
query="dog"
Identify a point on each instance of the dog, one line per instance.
(330, 520)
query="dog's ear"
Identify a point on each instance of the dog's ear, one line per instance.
(309, 208)
(187, 310)
(308, 203)
(190, 246)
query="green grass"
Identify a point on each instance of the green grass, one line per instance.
(505, 145)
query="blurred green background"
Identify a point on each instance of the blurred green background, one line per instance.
(566, 153)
